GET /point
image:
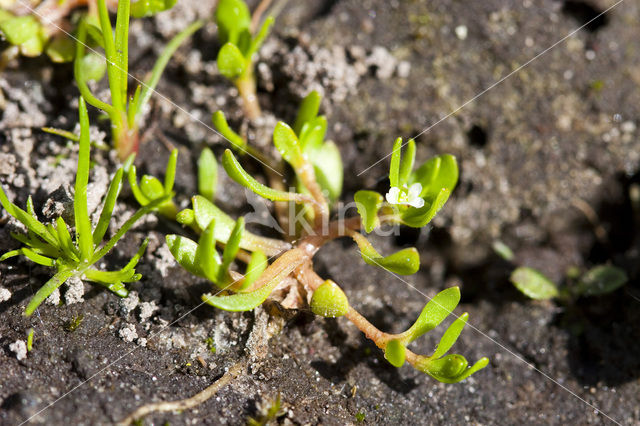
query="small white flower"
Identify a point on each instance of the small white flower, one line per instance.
(409, 196)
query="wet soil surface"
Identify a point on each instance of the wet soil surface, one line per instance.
(549, 161)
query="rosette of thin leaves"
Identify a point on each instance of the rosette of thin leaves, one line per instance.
(449, 368)
(415, 196)
(52, 245)
(124, 112)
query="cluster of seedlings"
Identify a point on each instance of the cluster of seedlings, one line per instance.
(279, 269)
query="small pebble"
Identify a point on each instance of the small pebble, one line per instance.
(5, 294)
(462, 32)
(19, 347)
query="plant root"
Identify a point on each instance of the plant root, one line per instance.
(185, 404)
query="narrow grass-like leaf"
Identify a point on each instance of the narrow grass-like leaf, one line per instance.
(170, 173)
(287, 143)
(80, 72)
(308, 110)
(56, 281)
(394, 169)
(257, 41)
(136, 257)
(207, 174)
(110, 53)
(127, 225)
(403, 262)
(450, 336)
(368, 204)
(37, 258)
(161, 63)
(83, 224)
(433, 313)
(533, 283)
(66, 243)
(221, 125)
(122, 50)
(107, 208)
(395, 353)
(28, 220)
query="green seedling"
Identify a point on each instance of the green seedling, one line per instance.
(31, 35)
(52, 245)
(597, 281)
(124, 112)
(239, 45)
(288, 267)
(30, 339)
(151, 189)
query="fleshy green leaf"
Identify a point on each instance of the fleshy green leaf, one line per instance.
(184, 250)
(231, 250)
(433, 313)
(237, 173)
(602, 279)
(533, 284)
(450, 336)
(308, 111)
(406, 163)
(257, 264)
(447, 368)
(207, 256)
(419, 217)
(186, 217)
(403, 262)
(231, 62)
(287, 143)
(144, 8)
(61, 49)
(207, 174)
(221, 125)
(503, 250)
(327, 165)
(368, 204)
(438, 173)
(249, 301)
(151, 187)
(312, 134)
(232, 18)
(20, 29)
(329, 300)
(395, 352)
(394, 169)
(93, 66)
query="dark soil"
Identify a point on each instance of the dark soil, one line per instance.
(558, 134)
